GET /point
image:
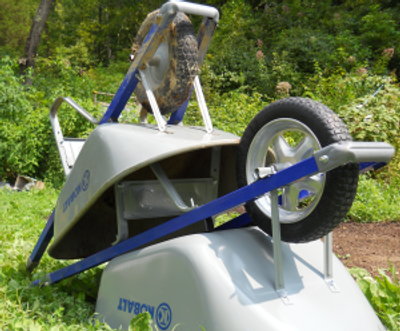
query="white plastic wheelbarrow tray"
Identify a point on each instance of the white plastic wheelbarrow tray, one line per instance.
(130, 188)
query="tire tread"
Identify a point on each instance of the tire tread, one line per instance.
(341, 183)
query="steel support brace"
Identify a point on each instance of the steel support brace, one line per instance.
(328, 263)
(277, 247)
(153, 102)
(169, 187)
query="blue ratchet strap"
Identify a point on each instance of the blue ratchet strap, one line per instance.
(304, 168)
(125, 90)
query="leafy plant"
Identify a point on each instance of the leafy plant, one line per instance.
(65, 306)
(376, 201)
(383, 292)
(141, 322)
(26, 141)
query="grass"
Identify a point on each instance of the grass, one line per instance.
(65, 306)
(69, 305)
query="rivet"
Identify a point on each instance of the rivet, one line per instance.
(324, 159)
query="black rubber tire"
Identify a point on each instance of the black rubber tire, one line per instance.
(340, 185)
(183, 63)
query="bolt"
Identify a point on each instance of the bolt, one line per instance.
(324, 159)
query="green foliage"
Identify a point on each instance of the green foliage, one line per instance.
(383, 292)
(96, 31)
(107, 79)
(376, 201)
(16, 107)
(229, 112)
(26, 140)
(65, 306)
(368, 104)
(375, 117)
(15, 22)
(293, 36)
(141, 322)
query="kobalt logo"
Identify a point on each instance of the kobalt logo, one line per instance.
(162, 316)
(82, 186)
(85, 180)
(134, 307)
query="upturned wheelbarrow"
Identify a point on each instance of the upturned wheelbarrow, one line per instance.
(145, 197)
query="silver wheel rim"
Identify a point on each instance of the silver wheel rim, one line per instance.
(282, 143)
(158, 66)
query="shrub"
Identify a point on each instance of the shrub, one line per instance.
(230, 112)
(377, 118)
(376, 201)
(26, 141)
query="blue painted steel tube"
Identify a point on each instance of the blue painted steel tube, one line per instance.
(41, 244)
(125, 90)
(367, 166)
(177, 116)
(121, 98)
(304, 168)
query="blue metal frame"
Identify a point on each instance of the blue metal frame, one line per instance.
(304, 168)
(177, 116)
(131, 80)
(126, 89)
(368, 166)
(41, 244)
(247, 193)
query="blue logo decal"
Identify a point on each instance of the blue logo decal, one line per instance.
(85, 180)
(135, 307)
(82, 186)
(163, 316)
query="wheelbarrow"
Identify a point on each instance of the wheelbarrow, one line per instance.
(146, 197)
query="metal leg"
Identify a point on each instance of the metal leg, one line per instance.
(41, 244)
(277, 245)
(153, 102)
(328, 267)
(202, 105)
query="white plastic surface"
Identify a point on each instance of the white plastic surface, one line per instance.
(225, 281)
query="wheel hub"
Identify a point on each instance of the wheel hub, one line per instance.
(282, 143)
(158, 66)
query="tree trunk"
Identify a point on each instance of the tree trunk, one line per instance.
(32, 43)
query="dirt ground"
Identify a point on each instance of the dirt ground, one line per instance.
(371, 246)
